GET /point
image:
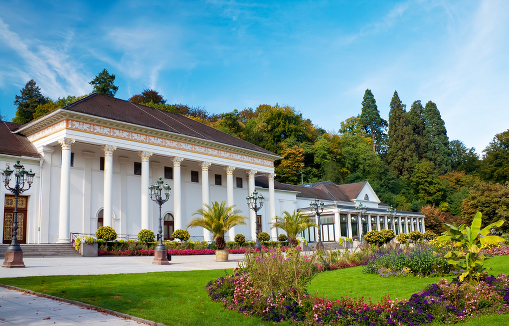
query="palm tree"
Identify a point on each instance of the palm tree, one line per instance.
(217, 219)
(293, 224)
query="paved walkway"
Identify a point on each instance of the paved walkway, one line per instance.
(18, 308)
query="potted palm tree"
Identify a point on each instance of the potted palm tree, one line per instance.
(218, 219)
(293, 224)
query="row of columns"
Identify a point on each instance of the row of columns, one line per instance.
(404, 227)
(64, 212)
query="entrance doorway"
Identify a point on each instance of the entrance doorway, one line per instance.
(9, 219)
(168, 227)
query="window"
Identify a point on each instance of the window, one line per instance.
(168, 227)
(218, 179)
(168, 172)
(101, 163)
(100, 219)
(194, 176)
(366, 197)
(137, 168)
(72, 159)
(239, 182)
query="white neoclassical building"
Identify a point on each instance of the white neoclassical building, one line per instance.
(95, 159)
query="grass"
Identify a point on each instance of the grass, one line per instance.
(179, 298)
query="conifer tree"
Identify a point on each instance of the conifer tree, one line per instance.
(401, 155)
(435, 136)
(104, 84)
(30, 98)
(371, 121)
(416, 116)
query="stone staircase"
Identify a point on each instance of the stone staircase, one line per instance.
(44, 250)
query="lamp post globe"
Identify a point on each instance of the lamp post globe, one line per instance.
(317, 208)
(255, 202)
(13, 256)
(160, 193)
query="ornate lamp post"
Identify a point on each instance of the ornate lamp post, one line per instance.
(317, 208)
(392, 211)
(255, 202)
(13, 256)
(362, 210)
(156, 194)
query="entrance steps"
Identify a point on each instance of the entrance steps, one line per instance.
(44, 250)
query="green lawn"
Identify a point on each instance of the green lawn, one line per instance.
(179, 298)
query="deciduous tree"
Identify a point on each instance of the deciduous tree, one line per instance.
(463, 158)
(495, 164)
(147, 96)
(426, 183)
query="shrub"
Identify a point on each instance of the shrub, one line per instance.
(402, 238)
(374, 237)
(106, 233)
(282, 238)
(240, 238)
(182, 235)
(146, 235)
(429, 235)
(263, 236)
(387, 235)
(416, 236)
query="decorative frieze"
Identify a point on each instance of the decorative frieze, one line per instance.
(146, 139)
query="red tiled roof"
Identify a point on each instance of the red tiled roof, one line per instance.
(125, 111)
(14, 144)
(352, 190)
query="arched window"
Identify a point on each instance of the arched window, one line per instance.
(366, 197)
(168, 226)
(100, 219)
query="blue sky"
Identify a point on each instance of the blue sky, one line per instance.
(316, 56)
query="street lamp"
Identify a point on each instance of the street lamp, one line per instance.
(362, 209)
(13, 256)
(156, 194)
(255, 202)
(317, 208)
(392, 211)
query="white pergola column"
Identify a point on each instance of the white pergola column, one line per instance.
(359, 224)
(272, 205)
(145, 183)
(108, 181)
(386, 224)
(252, 214)
(337, 225)
(406, 224)
(205, 193)
(229, 195)
(400, 227)
(369, 223)
(65, 193)
(177, 193)
(87, 190)
(349, 225)
(412, 224)
(378, 223)
(423, 225)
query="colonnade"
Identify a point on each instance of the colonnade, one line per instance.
(65, 175)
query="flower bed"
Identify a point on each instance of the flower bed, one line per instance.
(178, 252)
(502, 251)
(271, 285)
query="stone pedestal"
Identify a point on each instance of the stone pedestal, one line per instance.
(89, 249)
(13, 259)
(160, 257)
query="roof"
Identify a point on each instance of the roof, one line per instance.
(352, 190)
(120, 110)
(14, 144)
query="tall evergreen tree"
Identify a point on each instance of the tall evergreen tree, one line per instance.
(29, 99)
(416, 116)
(401, 155)
(371, 121)
(435, 136)
(104, 84)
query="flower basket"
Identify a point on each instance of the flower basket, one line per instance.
(88, 249)
(222, 255)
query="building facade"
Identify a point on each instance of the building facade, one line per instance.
(95, 159)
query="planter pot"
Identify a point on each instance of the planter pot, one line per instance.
(222, 255)
(89, 249)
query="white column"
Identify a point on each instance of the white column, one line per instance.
(252, 214)
(272, 205)
(359, 224)
(108, 184)
(177, 193)
(349, 225)
(337, 225)
(400, 227)
(405, 224)
(386, 224)
(65, 193)
(145, 183)
(370, 228)
(229, 195)
(205, 193)
(378, 223)
(412, 224)
(45, 193)
(123, 193)
(87, 191)
(423, 225)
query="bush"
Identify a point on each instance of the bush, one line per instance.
(282, 238)
(402, 238)
(240, 238)
(182, 235)
(416, 236)
(263, 236)
(429, 235)
(146, 235)
(387, 235)
(106, 233)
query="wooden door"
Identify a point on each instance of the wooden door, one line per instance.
(9, 219)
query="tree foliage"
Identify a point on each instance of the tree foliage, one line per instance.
(372, 123)
(426, 183)
(435, 137)
(495, 165)
(30, 98)
(463, 158)
(103, 83)
(147, 96)
(293, 223)
(436, 219)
